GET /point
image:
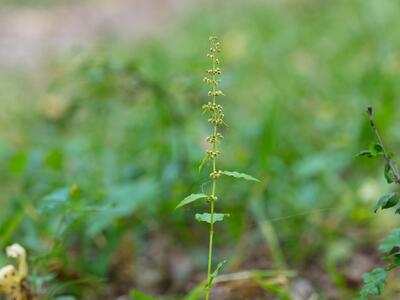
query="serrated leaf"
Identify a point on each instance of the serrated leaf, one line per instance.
(390, 242)
(239, 175)
(206, 217)
(388, 172)
(203, 162)
(191, 198)
(374, 283)
(387, 201)
(216, 272)
(375, 149)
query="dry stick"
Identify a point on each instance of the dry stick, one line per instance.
(390, 161)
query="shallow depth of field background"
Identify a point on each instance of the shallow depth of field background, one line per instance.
(107, 95)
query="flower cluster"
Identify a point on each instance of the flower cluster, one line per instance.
(216, 110)
(212, 154)
(215, 174)
(214, 138)
(216, 119)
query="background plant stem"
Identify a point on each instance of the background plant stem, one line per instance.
(389, 160)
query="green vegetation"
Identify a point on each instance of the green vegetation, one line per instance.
(216, 120)
(374, 281)
(113, 120)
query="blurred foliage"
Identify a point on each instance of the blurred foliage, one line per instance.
(36, 3)
(122, 122)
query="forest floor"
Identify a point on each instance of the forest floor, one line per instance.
(342, 245)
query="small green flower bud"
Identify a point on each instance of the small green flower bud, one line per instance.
(215, 175)
(212, 198)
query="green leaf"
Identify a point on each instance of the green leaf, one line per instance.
(56, 200)
(390, 242)
(239, 175)
(191, 198)
(203, 162)
(55, 159)
(375, 149)
(389, 176)
(121, 199)
(365, 153)
(136, 295)
(374, 283)
(387, 201)
(216, 272)
(206, 217)
(197, 292)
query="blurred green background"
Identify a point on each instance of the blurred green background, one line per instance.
(122, 120)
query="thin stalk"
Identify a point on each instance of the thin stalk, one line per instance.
(210, 251)
(214, 186)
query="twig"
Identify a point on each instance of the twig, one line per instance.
(390, 161)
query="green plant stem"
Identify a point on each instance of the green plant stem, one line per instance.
(389, 160)
(214, 186)
(210, 251)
